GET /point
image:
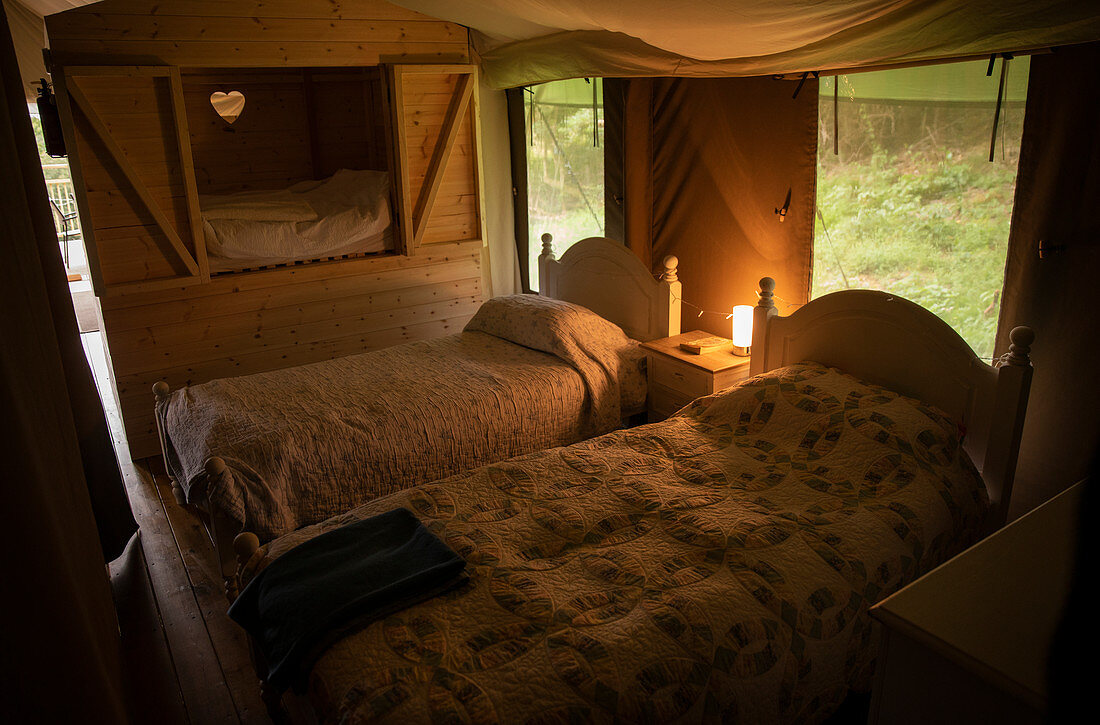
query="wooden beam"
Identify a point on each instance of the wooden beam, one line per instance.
(254, 54)
(128, 171)
(479, 186)
(187, 166)
(76, 171)
(456, 113)
(126, 71)
(400, 156)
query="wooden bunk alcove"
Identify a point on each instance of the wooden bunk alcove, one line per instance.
(326, 87)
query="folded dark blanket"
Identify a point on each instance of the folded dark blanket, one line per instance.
(341, 579)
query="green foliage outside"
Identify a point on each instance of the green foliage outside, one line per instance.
(60, 173)
(913, 206)
(565, 189)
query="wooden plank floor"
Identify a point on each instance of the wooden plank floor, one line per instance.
(189, 661)
(186, 661)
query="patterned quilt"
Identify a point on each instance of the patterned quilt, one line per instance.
(716, 566)
(305, 443)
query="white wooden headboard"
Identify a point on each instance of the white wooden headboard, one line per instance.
(608, 279)
(890, 341)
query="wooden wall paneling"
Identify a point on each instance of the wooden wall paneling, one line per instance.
(479, 187)
(259, 54)
(435, 118)
(109, 27)
(266, 338)
(372, 108)
(138, 186)
(295, 310)
(389, 145)
(403, 211)
(187, 167)
(456, 114)
(267, 147)
(117, 115)
(160, 326)
(243, 33)
(136, 387)
(311, 122)
(345, 115)
(459, 216)
(358, 10)
(372, 269)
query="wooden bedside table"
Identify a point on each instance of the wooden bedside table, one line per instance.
(677, 377)
(968, 642)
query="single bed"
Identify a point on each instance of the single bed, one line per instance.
(718, 565)
(346, 213)
(274, 451)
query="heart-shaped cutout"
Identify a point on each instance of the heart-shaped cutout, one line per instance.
(228, 105)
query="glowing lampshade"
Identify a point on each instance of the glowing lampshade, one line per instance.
(742, 329)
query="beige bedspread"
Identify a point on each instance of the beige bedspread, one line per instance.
(305, 443)
(716, 566)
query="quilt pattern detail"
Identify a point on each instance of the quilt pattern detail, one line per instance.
(717, 566)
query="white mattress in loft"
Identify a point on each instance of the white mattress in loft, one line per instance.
(347, 213)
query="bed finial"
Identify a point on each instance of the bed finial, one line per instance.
(214, 467)
(548, 245)
(761, 315)
(161, 391)
(767, 293)
(671, 262)
(245, 544)
(1019, 352)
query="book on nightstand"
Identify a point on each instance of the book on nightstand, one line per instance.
(706, 344)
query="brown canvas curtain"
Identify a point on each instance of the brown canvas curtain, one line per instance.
(109, 502)
(1057, 195)
(706, 165)
(60, 640)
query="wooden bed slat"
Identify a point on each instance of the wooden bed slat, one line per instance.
(183, 144)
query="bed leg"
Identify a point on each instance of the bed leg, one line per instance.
(161, 393)
(223, 527)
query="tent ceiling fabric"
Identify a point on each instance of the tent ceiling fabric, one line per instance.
(522, 42)
(531, 41)
(29, 34)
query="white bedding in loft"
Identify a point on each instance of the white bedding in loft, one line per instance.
(349, 212)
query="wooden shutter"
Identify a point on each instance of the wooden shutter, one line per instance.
(436, 154)
(130, 156)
